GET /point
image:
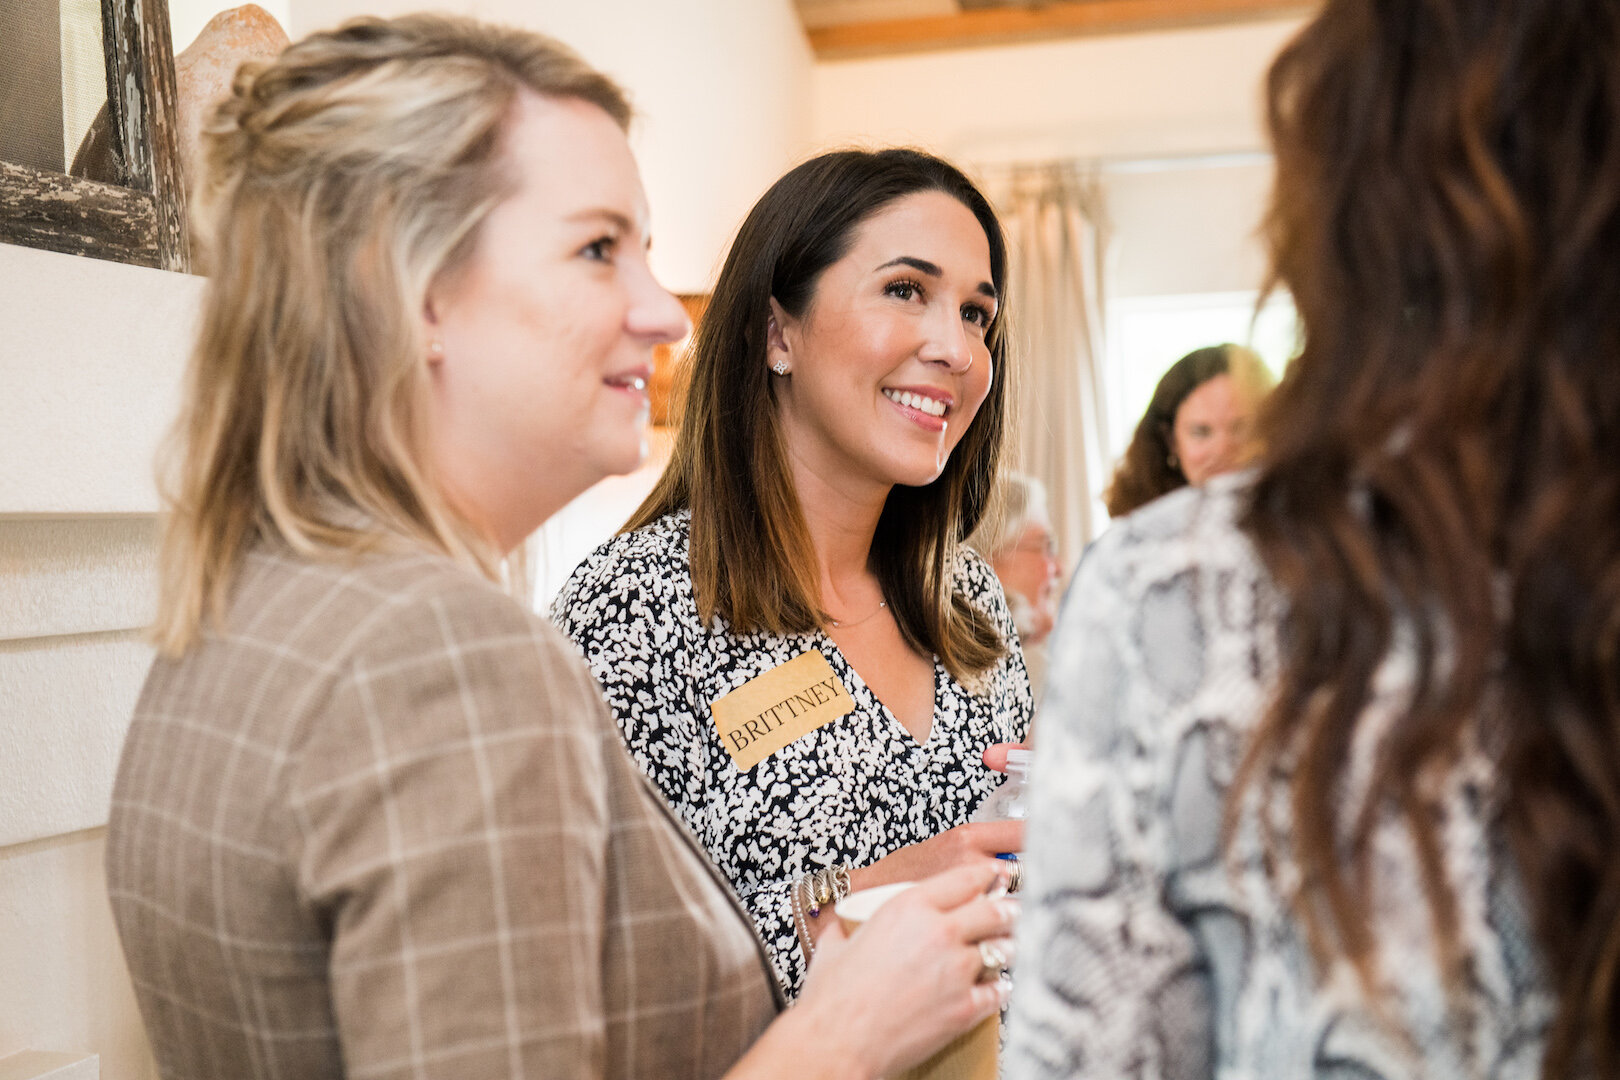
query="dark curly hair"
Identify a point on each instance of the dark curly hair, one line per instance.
(1444, 459)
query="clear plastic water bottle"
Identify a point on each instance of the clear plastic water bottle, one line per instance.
(1010, 801)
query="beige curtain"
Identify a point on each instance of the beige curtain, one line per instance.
(1057, 231)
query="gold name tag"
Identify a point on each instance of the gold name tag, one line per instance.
(786, 703)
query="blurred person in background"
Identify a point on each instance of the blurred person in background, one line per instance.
(1328, 783)
(1019, 545)
(1199, 424)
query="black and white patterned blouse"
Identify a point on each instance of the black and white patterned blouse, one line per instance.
(1144, 952)
(850, 792)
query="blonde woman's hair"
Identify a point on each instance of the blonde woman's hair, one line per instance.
(340, 181)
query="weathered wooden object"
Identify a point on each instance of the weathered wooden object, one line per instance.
(142, 219)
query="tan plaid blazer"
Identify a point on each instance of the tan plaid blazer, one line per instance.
(380, 824)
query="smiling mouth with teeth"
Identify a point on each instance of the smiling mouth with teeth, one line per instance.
(931, 406)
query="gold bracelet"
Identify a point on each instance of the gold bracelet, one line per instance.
(827, 886)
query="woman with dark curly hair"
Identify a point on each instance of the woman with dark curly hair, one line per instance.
(1199, 424)
(1389, 659)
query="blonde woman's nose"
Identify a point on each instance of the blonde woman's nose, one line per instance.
(656, 313)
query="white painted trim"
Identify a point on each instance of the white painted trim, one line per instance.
(47, 1065)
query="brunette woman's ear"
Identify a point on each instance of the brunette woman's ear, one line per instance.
(778, 354)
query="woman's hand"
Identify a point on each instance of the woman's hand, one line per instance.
(963, 845)
(902, 986)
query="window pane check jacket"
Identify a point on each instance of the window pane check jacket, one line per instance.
(379, 823)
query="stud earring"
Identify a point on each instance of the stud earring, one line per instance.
(436, 348)
(780, 367)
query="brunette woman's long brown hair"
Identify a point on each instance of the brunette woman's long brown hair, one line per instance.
(1445, 456)
(751, 554)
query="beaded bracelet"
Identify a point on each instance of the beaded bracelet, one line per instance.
(800, 926)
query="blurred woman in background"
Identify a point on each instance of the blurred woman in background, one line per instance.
(1199, 424)
(1018, 542)
(1390, 659)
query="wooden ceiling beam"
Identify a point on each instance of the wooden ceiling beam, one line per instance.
(1002, 26)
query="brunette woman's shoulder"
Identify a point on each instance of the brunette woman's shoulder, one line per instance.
(648, 564)
(971, 574)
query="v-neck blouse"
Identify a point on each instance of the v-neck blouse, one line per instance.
(851, 791)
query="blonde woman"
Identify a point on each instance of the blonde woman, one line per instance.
(373, 817)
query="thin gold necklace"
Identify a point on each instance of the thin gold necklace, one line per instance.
(837, 625)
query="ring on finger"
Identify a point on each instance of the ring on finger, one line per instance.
(992, 962)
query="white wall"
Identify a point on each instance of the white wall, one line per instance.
(1129, 95)
(1188, 228)
(93, 355)
(722, 88)
(1174, 117)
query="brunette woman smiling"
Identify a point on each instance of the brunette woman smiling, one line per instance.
(842, 431)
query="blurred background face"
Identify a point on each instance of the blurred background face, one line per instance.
(889, 365)
(548, 330)
(1028, 568)
(1213, 430)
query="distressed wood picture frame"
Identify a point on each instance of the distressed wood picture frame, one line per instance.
(142, 219)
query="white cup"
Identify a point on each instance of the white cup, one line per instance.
(969, 1056)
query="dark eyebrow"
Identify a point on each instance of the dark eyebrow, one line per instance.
(923, 266)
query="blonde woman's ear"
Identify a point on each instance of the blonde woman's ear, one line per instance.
(431, 331)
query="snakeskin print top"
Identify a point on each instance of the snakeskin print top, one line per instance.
(1146, 951)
